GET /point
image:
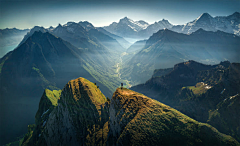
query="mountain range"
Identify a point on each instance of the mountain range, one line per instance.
(48, 58)
(142, 30)
(136, 29)
(229, 24)
(166, 48)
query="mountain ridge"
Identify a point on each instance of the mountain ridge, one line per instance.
(129, 118)
(227, 24)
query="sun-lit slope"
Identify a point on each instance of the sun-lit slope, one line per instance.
(80, 118)
(138, 120)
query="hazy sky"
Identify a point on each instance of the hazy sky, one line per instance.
(28, 13)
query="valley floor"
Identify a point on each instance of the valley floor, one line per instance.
(118, 66)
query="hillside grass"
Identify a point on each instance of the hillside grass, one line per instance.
(198, 89)
(87, 107)
(53, 96)
(149, 122)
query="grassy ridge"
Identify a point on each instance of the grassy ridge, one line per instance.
(149, 122)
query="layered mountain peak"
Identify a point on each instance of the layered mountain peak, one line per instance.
(127, 27)
(205, 20)
(125, 20)
(34, 29)
(136, 29)
(165, 23)
(136, 25)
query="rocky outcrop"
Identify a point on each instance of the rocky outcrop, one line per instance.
(81, 117)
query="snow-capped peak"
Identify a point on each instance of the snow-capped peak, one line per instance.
(135, 25)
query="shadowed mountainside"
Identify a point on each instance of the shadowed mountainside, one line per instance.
(166, 48)
(45, 61)
(203, 92)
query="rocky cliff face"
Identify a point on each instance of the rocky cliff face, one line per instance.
(83, 116)
(80, 118)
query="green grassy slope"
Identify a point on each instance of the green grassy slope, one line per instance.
(145, 121)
